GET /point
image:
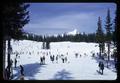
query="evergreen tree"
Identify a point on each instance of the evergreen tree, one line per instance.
(117, 31)
(15, 16)
(47, 45)
(44, 44)
(100, 37)
(108, 27)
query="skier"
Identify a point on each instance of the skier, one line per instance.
(99, 66)
(57, 58)
(21, 70)
(11, 68)
(6, 73)
(76, 54)
(65, 59)
(16, 54)
(102, 67)
(53, 58)
(43, 59)
(15, 62)
(93, 54)
(80, 55)
(50, 57)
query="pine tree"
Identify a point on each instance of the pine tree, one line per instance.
(115, 39)
(118, 39)
(15, 16)
(44, 44)
(100, 37)
(108, 27)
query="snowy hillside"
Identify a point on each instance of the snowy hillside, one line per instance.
(81, 67)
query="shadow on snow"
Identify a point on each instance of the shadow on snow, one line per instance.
(62, 75)
(29, 70)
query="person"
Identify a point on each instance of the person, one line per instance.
(11, 68)
(15, 62)
(99, 66)
(76, 54)
(102, 67)
(16, 54)
(57, 59)
(65, 59)
(50, 57)
(93, 54)
(53, 58)
(80, 55)
(43, 59)
(6, 73)
(21, 70)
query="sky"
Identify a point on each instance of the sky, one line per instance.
(59, 18)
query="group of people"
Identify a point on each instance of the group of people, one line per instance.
(9, 74)
(53, 58)
(9, 69)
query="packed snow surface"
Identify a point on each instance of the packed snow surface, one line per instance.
(75, 68)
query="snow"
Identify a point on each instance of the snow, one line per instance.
(74, 32)
(80, 68)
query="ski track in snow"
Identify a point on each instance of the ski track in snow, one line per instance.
(81, 68)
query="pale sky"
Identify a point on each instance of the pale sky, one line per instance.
(58, 18)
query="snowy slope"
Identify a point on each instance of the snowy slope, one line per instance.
(81, 68)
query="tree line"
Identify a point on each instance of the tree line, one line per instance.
(91, 37)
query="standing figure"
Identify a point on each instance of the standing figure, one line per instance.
(65, 59)
(57, 58)
(15, 62)
(21, 70)
(53, 58)
(99, 66)
(43, 59)
(76, 55)
(102, 67)
(11, 68)
(6, 73)
(80, 55)
(16, 54)
(50, 57)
